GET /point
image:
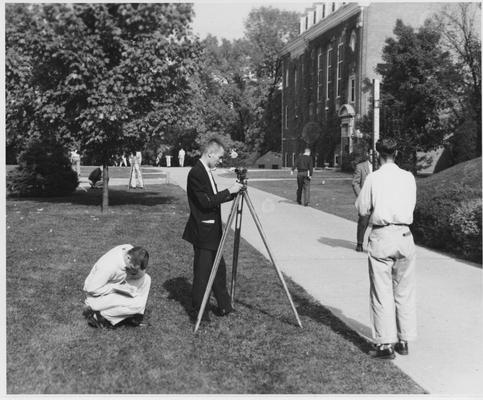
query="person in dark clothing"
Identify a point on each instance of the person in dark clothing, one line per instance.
(204, 227)
(95, 176)
(305, 170)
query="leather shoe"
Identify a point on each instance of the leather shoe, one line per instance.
(383, 352)
(222, 312)
(359, 248)
(401, 347)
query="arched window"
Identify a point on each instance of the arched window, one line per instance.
(328, 85)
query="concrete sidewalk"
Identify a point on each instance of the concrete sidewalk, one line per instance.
(316, 250)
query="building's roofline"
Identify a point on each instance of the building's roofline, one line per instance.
(298, 44)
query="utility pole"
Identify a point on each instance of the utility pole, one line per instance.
(375, 127)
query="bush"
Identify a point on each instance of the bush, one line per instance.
(438, 214)
(44, 169)
(465, 228)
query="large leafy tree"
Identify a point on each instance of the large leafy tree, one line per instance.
(460, 24)
(414, 90)
(104, 76)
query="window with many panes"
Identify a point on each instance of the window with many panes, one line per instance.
(328, 84)
(352, 89)
(340, 61)
(320, 76)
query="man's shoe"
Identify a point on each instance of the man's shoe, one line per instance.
(222, 312)
(401, 347)
(359, 248)
(383, 352)
(90, 315)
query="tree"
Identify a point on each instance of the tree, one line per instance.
(104, 76)
(460, 25)
(414, 90)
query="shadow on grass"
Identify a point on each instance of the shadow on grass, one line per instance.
(179, 289)
(322, 315)
(116, 198)
(337, 242)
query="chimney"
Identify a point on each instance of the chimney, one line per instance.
(302, 24)
(319, 7)
(310, 17)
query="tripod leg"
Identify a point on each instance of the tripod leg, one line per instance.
(236, 247)
(279, 273)
(216, 263)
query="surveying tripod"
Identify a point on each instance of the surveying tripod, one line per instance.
(236, 213)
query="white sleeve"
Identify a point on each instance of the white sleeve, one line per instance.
(98, 283)
(364, 199)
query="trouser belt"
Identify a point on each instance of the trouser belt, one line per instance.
(383, 226)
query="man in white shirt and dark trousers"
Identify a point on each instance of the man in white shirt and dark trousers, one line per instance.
(117, 288)
(389, 197)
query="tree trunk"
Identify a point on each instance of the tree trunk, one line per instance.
(105, 188)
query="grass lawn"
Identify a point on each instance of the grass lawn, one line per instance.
(51, 247)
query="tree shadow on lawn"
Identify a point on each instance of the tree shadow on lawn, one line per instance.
(116, 198)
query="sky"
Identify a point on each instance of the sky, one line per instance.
(225, 20)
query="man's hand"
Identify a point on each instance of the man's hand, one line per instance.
(291, 172)
(126, 288)
(235, 188)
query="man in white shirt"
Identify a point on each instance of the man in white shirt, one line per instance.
(389, 197)
(117, 287)
(181, 155)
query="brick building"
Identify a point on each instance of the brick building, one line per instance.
(326, 70)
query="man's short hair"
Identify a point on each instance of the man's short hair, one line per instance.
(139, 256)
(386, 147)
(211, 145)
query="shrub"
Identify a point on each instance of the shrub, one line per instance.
(44, 169)
(436, 217)
(465, 228)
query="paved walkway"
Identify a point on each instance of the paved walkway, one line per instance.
(316, 250)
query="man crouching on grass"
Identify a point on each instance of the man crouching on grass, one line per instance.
(117, 288)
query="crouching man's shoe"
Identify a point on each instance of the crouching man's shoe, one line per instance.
(401, 347)
(383, 352)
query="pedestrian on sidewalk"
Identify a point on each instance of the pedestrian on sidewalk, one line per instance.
(389, 197)
(136, 179)
(305, 170)
(181, 155)
(362, 169)
(204, 227)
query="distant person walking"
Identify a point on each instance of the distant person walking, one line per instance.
(168, 161)
(360, 174)
(136, 179)
(305, 170)
(123, 162)
(389, 197)
(181, 154)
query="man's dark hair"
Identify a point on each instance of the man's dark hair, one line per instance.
(214, 142)
(386, 147)
(139, 256)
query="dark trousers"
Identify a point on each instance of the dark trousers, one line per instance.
(303, 184)
(362, 225)
(202, 266)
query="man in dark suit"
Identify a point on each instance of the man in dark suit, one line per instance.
(360, 174)
(204, 227)
(305, 171)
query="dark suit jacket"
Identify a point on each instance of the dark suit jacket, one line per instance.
(360, 175)
(204, 206)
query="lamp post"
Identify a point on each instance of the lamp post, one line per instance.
(375, 127)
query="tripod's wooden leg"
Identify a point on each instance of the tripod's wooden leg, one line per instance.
(265, 242)
(236, 247)
(216, 263)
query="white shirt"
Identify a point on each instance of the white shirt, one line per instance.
(108, 271)
(181, 153)
(210, 175)
(389, 194)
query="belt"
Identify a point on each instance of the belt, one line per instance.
(383, 226)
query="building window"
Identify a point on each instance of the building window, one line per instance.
(323, 11)
(315, 17)
(329, 73)
(320, 76)
(340, 60)
(311, 111)
(333, 6)
(352, 89)
(286, 75)
(286, 117)
(295, 79)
